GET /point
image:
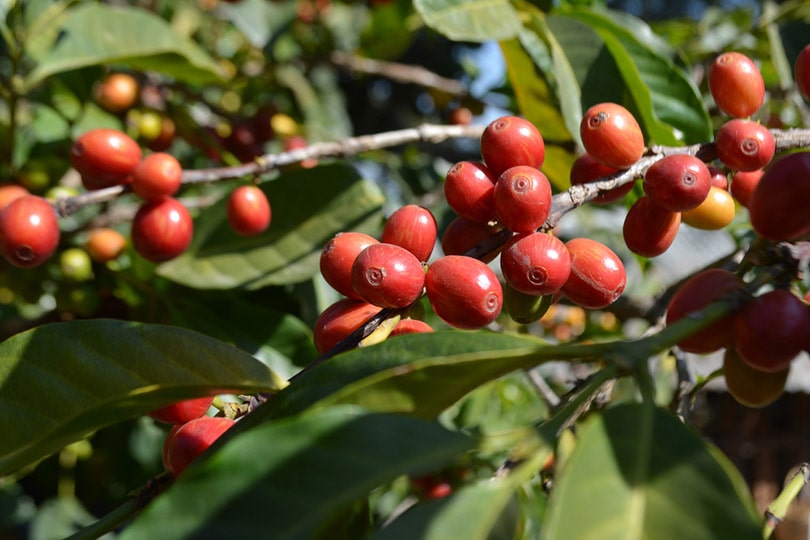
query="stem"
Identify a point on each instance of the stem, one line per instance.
(776, 512)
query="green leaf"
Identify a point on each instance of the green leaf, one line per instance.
(96, 34)
(259, 20)
(287, 477)
(309, 207)
(61, 381)
(470, 20)
(638, 472)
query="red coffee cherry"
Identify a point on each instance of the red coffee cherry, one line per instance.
(715, 212)
(117, 92)
(11, 192)
(535, 263)
(752, 387)
(597, 274)
(461, 116)
(339, 320)
(157, 176)
(162, 230)
(743, 184)
(29, 231)
(649, 229)
(463, 235)
(586, 169)
(522, 199)
(183, 411)
(249, 211)
(801, 72)
(770, 330)
(105, 245)
(105, 157)
(469, 187)
(510, 141)
(338, 256)
(677, 182)
(718, 177)
(696, 293)
(744, 145)
(779, 208)
(413, 228)
(410, 326)
(388, 276)
(611, 135)
(464, 292)
(736, 84)
(190, 440)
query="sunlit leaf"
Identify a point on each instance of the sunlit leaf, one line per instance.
(470, 20)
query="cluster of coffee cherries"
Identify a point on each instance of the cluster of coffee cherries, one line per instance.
(506, 191)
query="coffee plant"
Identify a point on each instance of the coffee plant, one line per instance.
(346, 269)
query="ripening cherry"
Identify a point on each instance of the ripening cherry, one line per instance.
(535, 263)
(743, 184)
(183, 411)
(779, 208)
(525, 308)
(105, 244)
(718, 177)
(29, 231)
(105, 157)
(715, 212)
(464, 292)
(387, 275)
(412, 227)
(736, 84)
(744, 145)
(162, 230)
(770, 330)
(649, 229)
(677, 182)
(752, 387)
(696, 293)
(801, 72)
(462, 235)
(339, 320)
(586, 169)
(338, 256)
(510, 141)
(469, 190)
(522, 199)
(597, 274)
(410, 326)
(157, 176)
(11, 192)
(184, 444)
(117, 92)
(248, 211)
(611, 135)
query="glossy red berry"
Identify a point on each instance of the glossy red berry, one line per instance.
(157, 176)
(104, 244)
(469, 190)
(677, 182)
(338, 256)
(414, 228)
(718, 177)
(736, 84)
(611, 135)
(535, 263)
(249, 211)
(696, 293)
(388, 276)
(183, 411)
(770, 330)
(743, 184)
(779, 208)
(649, 229)
(586, 169)
(29, 231)
(522, 199)
(410, 326)
(105, 157)
(597, 274)
(462, 235)
(190, 440)
(162, 230)
(510, 141)
(339, 320)
(801, 72)
(464, 292)
(11, 192)
(744, 145)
